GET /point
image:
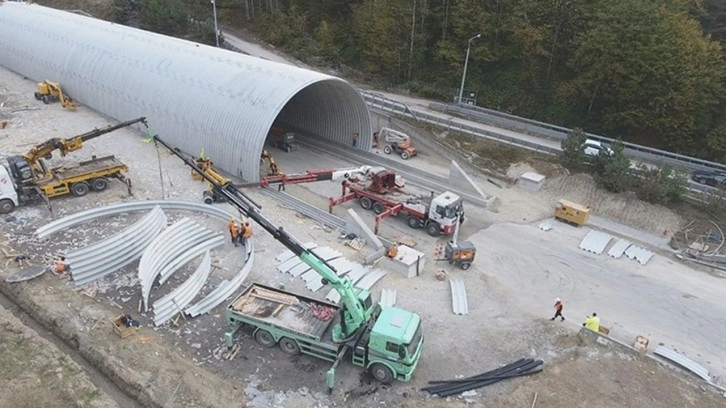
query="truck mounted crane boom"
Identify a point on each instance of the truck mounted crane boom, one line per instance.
(354, 315)
(45, 150)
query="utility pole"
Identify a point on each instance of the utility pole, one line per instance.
(466, 63)
(216, 29)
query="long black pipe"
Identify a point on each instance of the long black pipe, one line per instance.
(484, 383)
(442, 385)
(517, 372)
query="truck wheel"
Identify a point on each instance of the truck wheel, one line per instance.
(404, 155)
(381, 373)
(99, 184)
(387, 149)
(6, 206)
(433, 229)
(37, 96)
(80, 189)
(289, 346)
(378, 207)
(366, 203)
(413, 222)
(464, 266)
(45, 99)
(265, 338)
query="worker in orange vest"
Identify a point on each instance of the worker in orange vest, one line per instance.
(61, 266)
(245, 232)
(392, 251)
(233, 231)
(558, 310)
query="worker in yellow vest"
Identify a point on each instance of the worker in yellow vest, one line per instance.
(592, 322)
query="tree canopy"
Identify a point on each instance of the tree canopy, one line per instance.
(647, 71)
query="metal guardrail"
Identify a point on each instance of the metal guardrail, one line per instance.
(392, 106)
(558, 133)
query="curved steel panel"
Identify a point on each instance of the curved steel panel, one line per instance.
(194, 95)
(109, 210)
(173, 303)
(226, 288)
(115, 252)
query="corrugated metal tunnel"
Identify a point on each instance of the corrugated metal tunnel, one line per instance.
(194, 96)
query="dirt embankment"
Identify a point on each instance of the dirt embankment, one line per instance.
(142, 365)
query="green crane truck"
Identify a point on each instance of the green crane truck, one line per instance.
(385, 341)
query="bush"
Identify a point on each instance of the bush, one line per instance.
(573, 148)
(612, 171)
(661, 184)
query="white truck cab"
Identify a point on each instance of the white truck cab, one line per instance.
(8, 195)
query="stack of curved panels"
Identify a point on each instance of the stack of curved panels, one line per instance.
(115, 252)
(173, 303)
(225, 289)
(110, 210)
(176, 246)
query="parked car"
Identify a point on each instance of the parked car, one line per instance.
(594, 148)
(709, 178)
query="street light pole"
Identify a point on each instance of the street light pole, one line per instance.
(216, 30)
(466, 63)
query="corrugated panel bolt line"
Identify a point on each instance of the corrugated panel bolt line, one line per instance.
(194, 95)
(173, 303)
(115, 252)
(133, 206)
(459, 301)
(225, 289)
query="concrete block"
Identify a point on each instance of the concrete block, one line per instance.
(355, 225)
(531, 181)
(409, 262)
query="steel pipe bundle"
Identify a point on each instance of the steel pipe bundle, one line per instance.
(520, 368)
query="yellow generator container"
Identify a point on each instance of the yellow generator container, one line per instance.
(572, 213)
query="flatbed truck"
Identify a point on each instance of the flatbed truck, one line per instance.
(387, 341)
(303, 325)
(380, 193)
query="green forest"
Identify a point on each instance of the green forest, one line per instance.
(646, 71)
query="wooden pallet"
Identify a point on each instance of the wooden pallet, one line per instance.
(356, 243)
(406, 240)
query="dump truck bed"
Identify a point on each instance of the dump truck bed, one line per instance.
(266, 305)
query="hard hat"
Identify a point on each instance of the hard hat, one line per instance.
(557, 300)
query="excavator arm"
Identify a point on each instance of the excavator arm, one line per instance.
(354, 314)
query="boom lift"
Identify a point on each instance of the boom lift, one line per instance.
(27, 177)
(51, 92)
(398, 142)
(385, 341)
